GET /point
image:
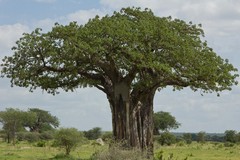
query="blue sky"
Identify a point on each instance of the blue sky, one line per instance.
(27, 11)
(88, 108)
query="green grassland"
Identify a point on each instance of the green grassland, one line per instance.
(198, 151)
(194, 151)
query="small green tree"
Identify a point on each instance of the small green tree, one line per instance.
(164, 121)
(201, 137)
(187, 137)
(230, 136)
(12, 121)
(94, 133)
(68, 138)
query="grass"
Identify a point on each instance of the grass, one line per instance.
(194, 151)
(27, 151)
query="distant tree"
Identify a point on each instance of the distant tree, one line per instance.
(187, 137)
(194, 136)
(43, 121)
(230, 136)
(238, 137)
(166, 138)
(68, 138)
(12, 121)
(164, 121)
(201, 137)
(94, 133)
(217, 138)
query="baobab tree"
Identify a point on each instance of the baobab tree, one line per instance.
(128, 55)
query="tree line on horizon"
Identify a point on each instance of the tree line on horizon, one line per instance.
(36, 120)
(40, 121)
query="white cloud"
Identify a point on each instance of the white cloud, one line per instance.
(82, 16)
(219, 16)
(45, 24)
(9, 35)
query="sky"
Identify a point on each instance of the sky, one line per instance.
(88, 108)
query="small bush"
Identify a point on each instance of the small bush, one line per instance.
(187, 137)
(107, 136)
(47, 135)
(228, 144)
(167, 138)
(32, 137)
(93, 134)
(21, 136)
(41, 144)
(28, 136)
(220, 145)
(181, 143)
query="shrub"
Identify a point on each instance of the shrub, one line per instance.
(28, 136)
(187, 137)
(166, 138)
(32, 136)
(21, 136)
(107, 136)
(68, 138)
(92, 134)
(181, 143)
(47, 135)
(41, 144)
(228, 144)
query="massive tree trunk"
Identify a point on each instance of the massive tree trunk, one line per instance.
(132, 117)
(120, 107)
(142, 122)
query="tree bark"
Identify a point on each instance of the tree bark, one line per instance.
(142, 122)
(132, 118)
(120, 103)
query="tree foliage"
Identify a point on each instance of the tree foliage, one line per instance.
(42, 121)
(93, 133)
(166, 138)
(164, 121)
(201, 137)
(230, 136)
(150, 50)
(12, 120)
(37, 120)
(187, 137)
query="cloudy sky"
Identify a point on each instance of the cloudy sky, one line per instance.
(88, 108)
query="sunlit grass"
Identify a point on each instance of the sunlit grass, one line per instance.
(198, 151)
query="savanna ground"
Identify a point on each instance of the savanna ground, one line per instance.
(180, 151)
